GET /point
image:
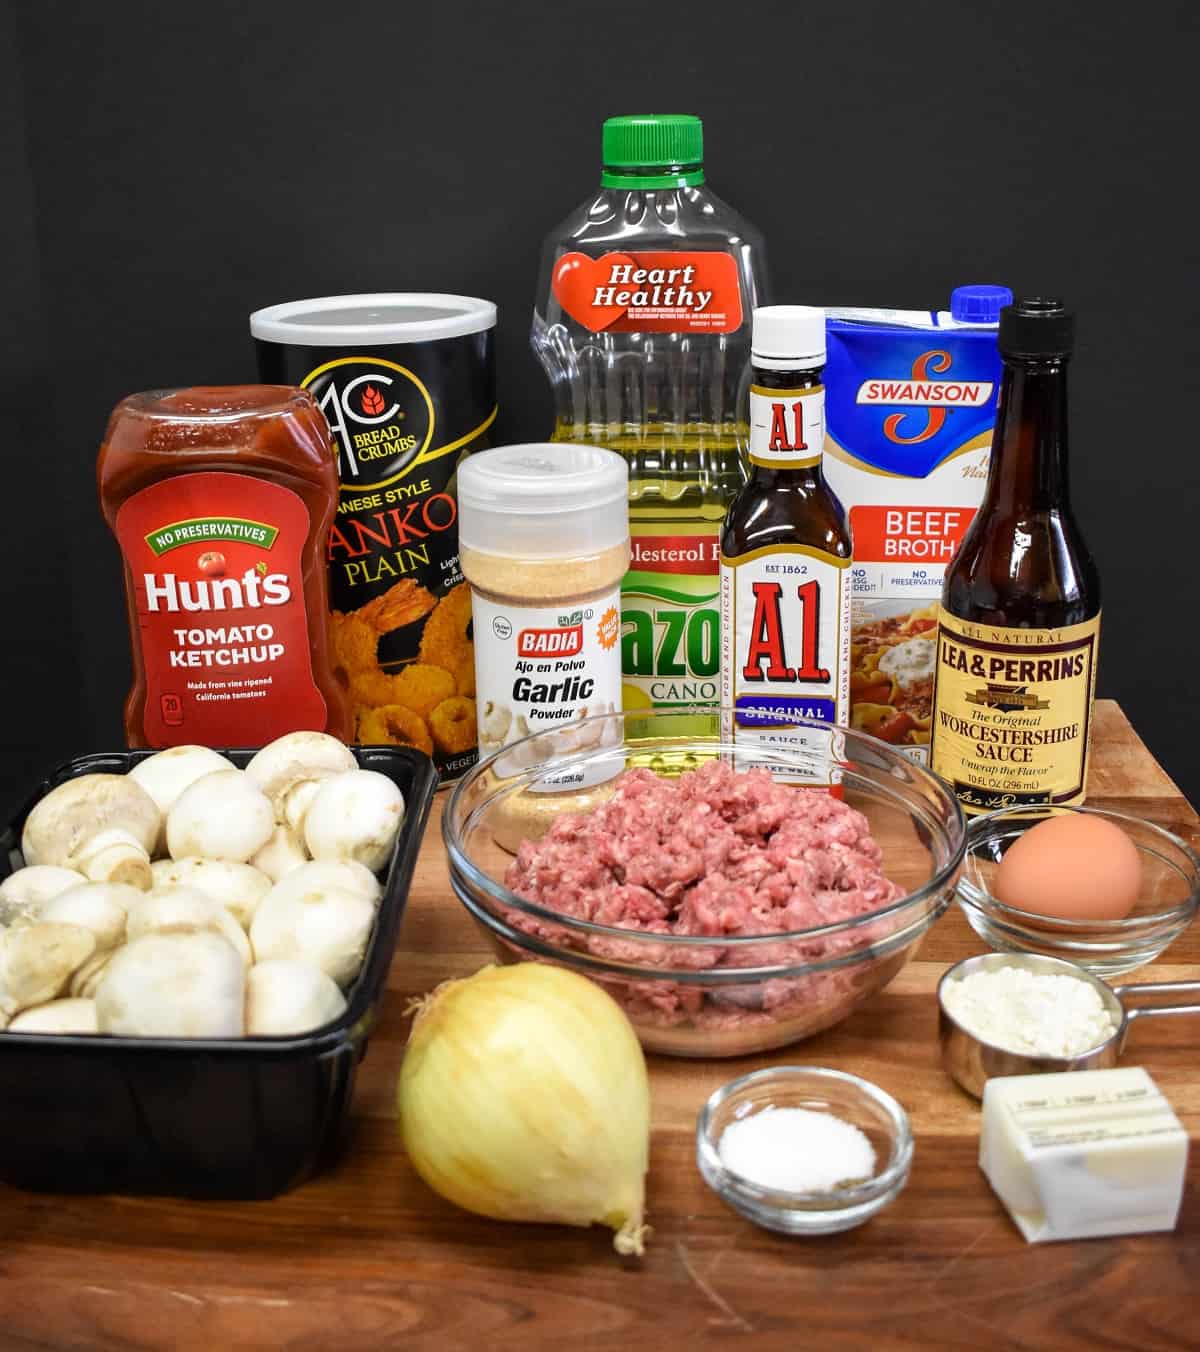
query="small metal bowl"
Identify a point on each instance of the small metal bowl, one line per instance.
(971, 1062)
(1165, 906)
(854, 1100)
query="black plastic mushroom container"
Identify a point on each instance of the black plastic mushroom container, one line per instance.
(215, 1118)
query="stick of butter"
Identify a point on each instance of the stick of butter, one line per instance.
(1083, 1153)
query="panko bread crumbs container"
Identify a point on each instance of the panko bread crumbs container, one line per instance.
(407, 382)
(910, 405)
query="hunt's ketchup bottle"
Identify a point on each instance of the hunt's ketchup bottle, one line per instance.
(785, 557)
(221, 499)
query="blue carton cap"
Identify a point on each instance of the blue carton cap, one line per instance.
(979, 304)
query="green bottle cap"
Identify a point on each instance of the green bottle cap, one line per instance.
(652, 150)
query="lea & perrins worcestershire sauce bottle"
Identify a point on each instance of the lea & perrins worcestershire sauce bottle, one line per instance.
(785, 554)
(1019, 624)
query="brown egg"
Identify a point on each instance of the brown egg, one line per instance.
(1071, 867)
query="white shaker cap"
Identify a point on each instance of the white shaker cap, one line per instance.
(543, 500)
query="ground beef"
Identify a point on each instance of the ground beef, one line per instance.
(715, 853)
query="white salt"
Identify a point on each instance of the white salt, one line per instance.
(796, 1150)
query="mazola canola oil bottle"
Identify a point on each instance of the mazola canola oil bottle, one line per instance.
(643, 325)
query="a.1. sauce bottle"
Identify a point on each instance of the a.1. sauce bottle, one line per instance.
(221, 499)
(785, 556)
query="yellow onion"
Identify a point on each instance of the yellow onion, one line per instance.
(524, 1097)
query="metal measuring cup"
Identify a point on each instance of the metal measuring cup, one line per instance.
(971, 1061)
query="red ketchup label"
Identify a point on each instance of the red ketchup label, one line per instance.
(214, 561)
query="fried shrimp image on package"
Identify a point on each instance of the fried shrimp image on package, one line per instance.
(427, 703)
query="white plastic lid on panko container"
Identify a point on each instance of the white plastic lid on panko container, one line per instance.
(543, 500)
(380, 317)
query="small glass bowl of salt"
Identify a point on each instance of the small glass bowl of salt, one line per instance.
(804, 1150)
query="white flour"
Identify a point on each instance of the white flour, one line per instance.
(1034, 1013)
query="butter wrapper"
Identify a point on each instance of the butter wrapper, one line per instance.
(1082, 1154)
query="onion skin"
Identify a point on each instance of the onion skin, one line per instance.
(524, 1097)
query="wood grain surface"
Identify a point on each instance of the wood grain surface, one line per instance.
(367, 1257)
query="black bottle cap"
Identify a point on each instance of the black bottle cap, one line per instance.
(1036, 326)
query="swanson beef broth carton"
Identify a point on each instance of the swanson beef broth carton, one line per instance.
(910, 404)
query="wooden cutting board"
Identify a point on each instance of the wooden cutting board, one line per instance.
(366, 1257)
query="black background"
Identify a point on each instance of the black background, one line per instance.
(167, 168)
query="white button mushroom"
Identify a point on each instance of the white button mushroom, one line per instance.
(355, 815)
(221, 816)
(289, 769)
(98, 907)
(289, 997)
(173, 985)
(57, 1016)
(166, 774)
(36, 962)
(87, 977)
(237, 887)
(170, 910)
(23, 892)
(281, 854)
(320, 875)
(104, 826)
(328, 927)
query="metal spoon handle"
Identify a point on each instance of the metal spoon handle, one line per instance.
(1128, 993)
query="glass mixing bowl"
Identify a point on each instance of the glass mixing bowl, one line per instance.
(703, 996)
